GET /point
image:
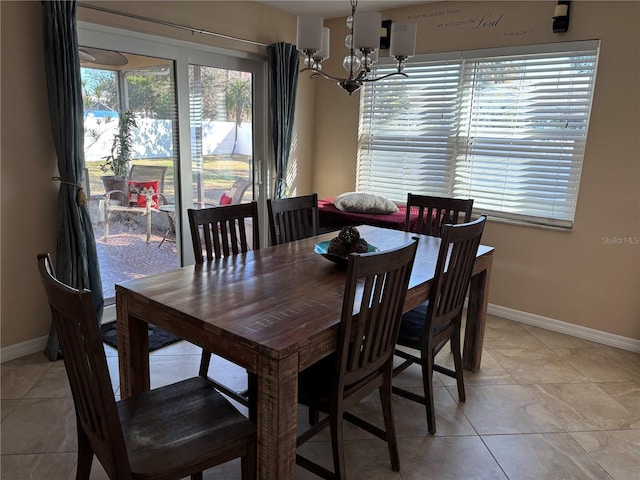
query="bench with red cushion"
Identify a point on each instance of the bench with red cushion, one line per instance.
(332, 218)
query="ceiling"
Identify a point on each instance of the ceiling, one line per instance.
(96, 58)
(335, 8)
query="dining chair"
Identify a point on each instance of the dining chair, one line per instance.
(375, 291)
(435, 212)
(427, 328)
(222, 232)
(171, 432)
(293, 218)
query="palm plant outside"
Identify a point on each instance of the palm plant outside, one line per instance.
(238, 104)
(122, 147)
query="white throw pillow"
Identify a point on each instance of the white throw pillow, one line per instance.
(362, 202)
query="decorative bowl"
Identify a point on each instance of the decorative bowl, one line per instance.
(322, 248)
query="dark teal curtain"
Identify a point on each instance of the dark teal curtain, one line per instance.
(76, 255)
(283, 85)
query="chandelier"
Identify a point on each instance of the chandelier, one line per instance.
(363, 42)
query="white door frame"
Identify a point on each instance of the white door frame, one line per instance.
(185, 53)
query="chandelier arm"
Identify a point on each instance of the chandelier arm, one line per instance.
(322, 74)
(359, 79)
(384, 76)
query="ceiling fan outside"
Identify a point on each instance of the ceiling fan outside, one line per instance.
(101, 57)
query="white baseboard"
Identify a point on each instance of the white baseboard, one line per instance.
(38, 344)
(578, 331)
(22, 349)
(109, 314)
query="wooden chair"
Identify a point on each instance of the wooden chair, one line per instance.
(118, 200)
(223, 232)
(375, 290)
(293, 218)
(427, 328)
(435, 212)
(168, 433)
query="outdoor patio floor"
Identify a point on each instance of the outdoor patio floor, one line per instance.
(125, 255)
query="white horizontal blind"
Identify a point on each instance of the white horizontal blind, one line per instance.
(503, 127)
(405, 141)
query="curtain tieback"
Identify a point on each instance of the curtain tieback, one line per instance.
(81, 197)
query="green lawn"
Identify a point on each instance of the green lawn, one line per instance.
(220, 171)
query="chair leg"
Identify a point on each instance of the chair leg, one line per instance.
(148, 226)
(314, 416)
(249, 463)
(427, 383)
(457, 361)
(106, 220)
(85, 455)
(204, 363)
(337, 445)
(196, 476)
(389, 423)
(252, 396)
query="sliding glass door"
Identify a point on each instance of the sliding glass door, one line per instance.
(226, 133)
(130, 119)
(195, 114)
(221, 126)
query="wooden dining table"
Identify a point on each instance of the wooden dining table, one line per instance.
(273, 311)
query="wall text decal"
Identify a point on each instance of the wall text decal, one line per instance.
(473, 19)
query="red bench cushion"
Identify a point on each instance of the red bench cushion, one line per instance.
(332, 217)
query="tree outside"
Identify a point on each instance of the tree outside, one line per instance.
(238, 103)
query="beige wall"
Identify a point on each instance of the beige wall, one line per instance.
(572, 276)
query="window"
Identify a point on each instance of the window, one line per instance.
(506, 127)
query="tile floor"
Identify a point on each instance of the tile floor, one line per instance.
(543, 406)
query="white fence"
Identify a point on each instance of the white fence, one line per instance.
(154, 138)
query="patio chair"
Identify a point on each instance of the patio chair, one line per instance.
(145, 195)
(167, 433)
(237, 190)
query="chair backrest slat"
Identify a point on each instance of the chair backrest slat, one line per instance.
(223, 230)
(293, 218)
(375, 290)
(435, 212)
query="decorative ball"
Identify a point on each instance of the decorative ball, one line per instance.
(336, 247)
(361, 246)
(349, 235)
